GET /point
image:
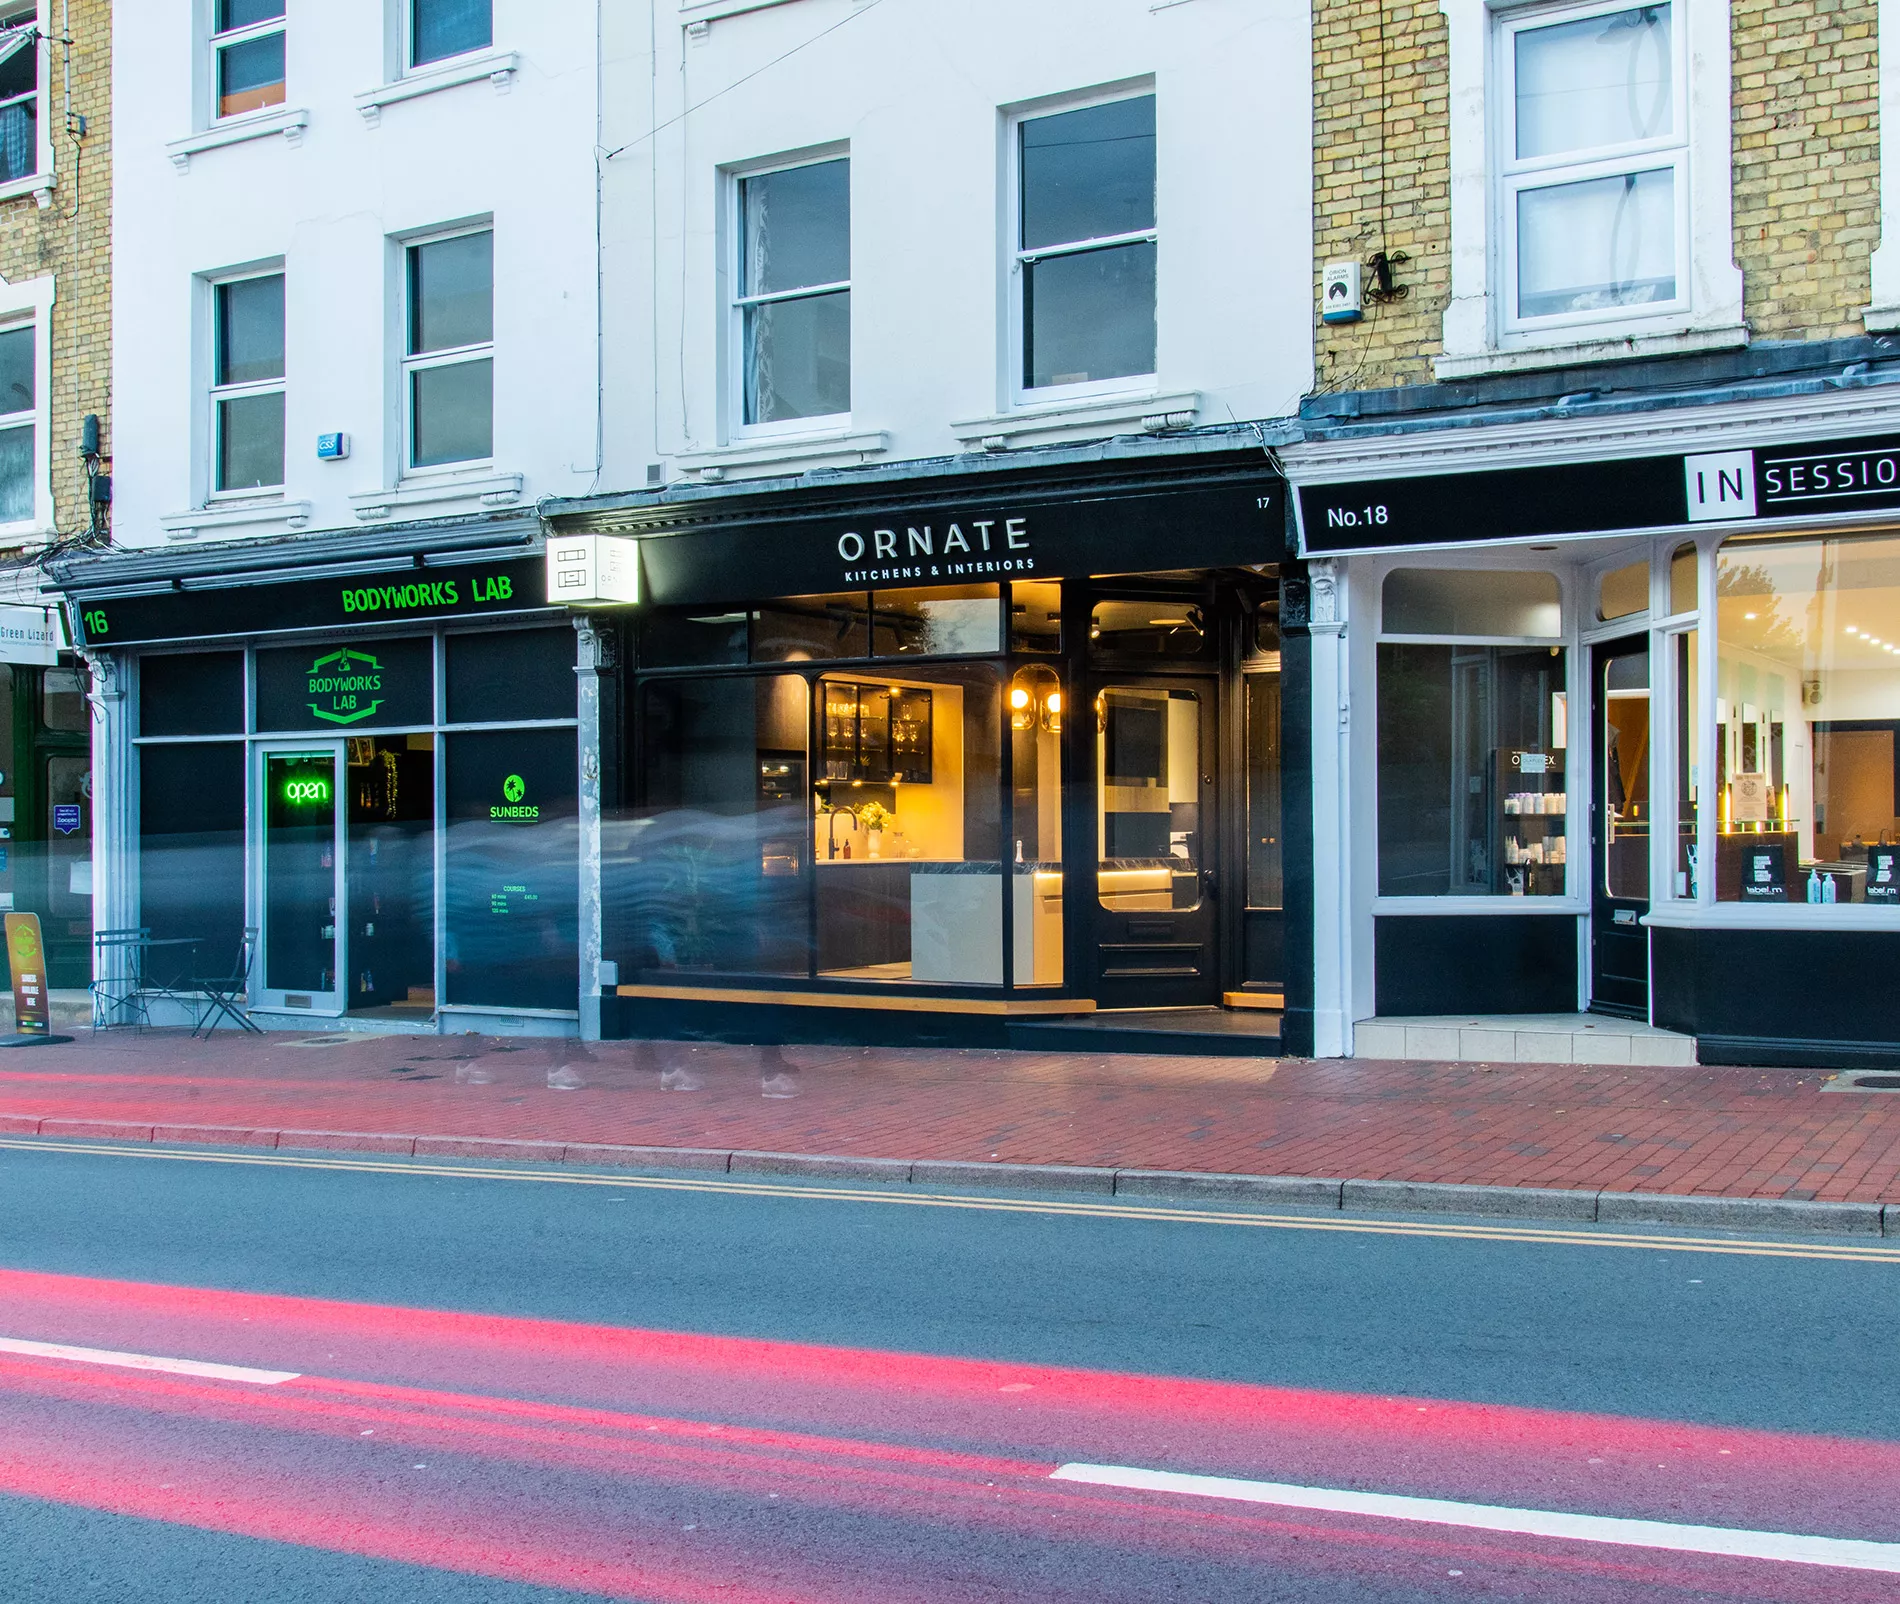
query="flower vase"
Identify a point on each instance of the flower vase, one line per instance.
(874, 843)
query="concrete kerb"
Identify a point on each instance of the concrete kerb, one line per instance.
(1352, 1196)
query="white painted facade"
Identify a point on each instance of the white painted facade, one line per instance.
(359, 159)
(921, 97)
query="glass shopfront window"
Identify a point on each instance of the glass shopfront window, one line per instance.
(1807, 720)
(1472, 736)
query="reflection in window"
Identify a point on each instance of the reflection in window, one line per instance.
(1148, 775)
(794, 298)
(1035, 616)
(1149, 628)
(809, 629)
(1265, 876)
(906, 832)
(1685, 882)
(1471, 601)
(1623, 591)
(1684, 580)
(19, 92)
(1807, 711)
(949, 621)
(1035, 724)
(1623, 773)
(1472, 797)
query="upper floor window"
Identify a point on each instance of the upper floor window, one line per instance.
(439, 29)
(449, 360)
(248, 46)
(19, 412)
(247, 383)
(1086, 245)
(1593, 182)
(793, 307)
(19, 92)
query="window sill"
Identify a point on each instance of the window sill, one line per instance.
(39, 185)
(490, 489)
(1579, 353)
(832, 448)
(1149, 411)
(1770, 916)
(1484, 906)
(236, 130)
(223, 515)
(497, 66)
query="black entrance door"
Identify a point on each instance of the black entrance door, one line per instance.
(1619, 829)
(1154, 914)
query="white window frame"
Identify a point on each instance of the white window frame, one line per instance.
(408, 363)
(218, 43)
(1477, 336)
(1018, 390)
(216, 392)
(31, 302)
(737, 303)
(1516, 174)
(407, 65)
(39, 182)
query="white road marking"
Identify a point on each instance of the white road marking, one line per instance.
(1842, 1552)
(146, 1361)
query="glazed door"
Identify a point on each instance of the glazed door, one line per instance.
(1154, 905)
(1619, 830)
(300, 821)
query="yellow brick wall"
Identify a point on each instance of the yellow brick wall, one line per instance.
(1805, 153)
(1807, 163)
(71, 239)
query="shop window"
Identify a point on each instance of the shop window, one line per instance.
(1149, 628)
(18, 419)
(1148, 774)
(1086, 245)
(1035, 616)
(63, 701)
(1685, 583)
(1623, 774)
(1471, 770)
(449, 368)
(191, 846)
(191, 693)
(1266, 881)
(793, 309)
(694, 640)
(948, 621)
(1685, 882)
(373, 684)
(19, 92)
(906, 828)
(506, 675)
(1623, 592)
(248, 47)
(247, 389)
(1472, 601)
(714, 873)
(1807, 720)
(389, 783)
(1035, 726)
(1594, 162)
(809, 629)
(513, 868)
(439, 29)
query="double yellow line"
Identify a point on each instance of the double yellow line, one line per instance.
(1076, 1208)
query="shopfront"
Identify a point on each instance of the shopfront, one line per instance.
(369, 776)
(1624, 736)
(975, 753)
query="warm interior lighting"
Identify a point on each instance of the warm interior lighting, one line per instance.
(1019, 697)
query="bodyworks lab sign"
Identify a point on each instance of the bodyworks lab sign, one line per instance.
(1586, 498)
(345, 687)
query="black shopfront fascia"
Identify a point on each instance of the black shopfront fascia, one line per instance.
(1749, 996)
(739, 550)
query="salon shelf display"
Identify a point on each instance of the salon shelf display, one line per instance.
(1532, 806)
(876, 734)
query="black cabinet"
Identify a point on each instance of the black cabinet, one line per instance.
(876, 733)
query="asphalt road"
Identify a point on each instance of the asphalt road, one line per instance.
(433, 1380)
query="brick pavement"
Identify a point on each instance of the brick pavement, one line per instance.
(1757, 1133)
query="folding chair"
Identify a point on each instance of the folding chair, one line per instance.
(118, 978)
(224, 995)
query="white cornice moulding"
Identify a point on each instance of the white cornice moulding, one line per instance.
(235, 515)
(497, 66)
(796, 450)
(1150, 412)
(700, 11)
(236, 130)
(1464, 448)
(490, 489)
(1581, 353)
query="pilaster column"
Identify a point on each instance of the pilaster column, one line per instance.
(115, 903)
(594, 661)
(1332, 842)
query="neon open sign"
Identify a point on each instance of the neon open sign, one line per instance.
(306, 791)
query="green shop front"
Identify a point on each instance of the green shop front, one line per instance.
(358, 777)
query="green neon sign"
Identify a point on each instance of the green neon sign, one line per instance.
(306, 793)
(345, 687)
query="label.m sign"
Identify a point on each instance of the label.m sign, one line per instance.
(1605, 497)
